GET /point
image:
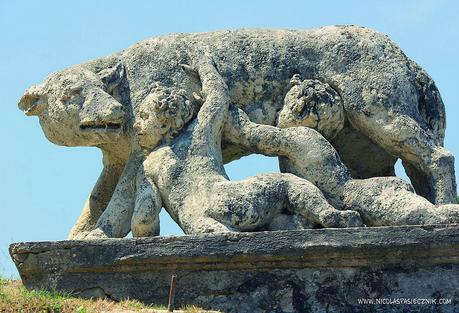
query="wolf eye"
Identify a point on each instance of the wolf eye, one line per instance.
(72, 96)
(76, 89)
(71, 91)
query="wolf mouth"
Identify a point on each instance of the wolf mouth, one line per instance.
(103, 126)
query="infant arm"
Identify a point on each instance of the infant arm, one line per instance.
(302, 151)
(145, 220)
(212, 115)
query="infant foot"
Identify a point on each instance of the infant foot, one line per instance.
(339, 219)
(80, 236)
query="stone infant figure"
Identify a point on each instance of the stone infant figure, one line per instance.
(185, 174)
(381, 201)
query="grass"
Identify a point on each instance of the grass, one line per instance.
(15, 298)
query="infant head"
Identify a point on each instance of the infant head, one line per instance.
(313, 104)
(162, 114)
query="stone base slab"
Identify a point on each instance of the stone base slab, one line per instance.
(319, 270)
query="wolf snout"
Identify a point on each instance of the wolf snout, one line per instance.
(33, 101)
(113, 113)
(108, 117)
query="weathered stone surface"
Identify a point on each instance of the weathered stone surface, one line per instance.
(321, 270)
(338, 105)
(383, 99)
(183, 171)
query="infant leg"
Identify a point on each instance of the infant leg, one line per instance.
(249, 204)
(253, 203)
(203, 224)
(306, 199)
(289, 222)
(389, 201)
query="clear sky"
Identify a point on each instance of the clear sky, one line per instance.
(43, 186)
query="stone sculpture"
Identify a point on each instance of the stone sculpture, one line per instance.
(187, 175)
(362, 94)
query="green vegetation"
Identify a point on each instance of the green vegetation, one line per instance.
(14, 298)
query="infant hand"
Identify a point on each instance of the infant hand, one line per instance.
(339, 219)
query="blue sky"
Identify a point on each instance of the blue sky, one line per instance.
(43, 187)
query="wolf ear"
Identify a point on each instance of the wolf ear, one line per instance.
(190, 71)
(112, 77)
(295, 80)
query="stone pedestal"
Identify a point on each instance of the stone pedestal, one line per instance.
(322, 270)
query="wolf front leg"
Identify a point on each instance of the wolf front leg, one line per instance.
(99, 198)
(115, 221)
